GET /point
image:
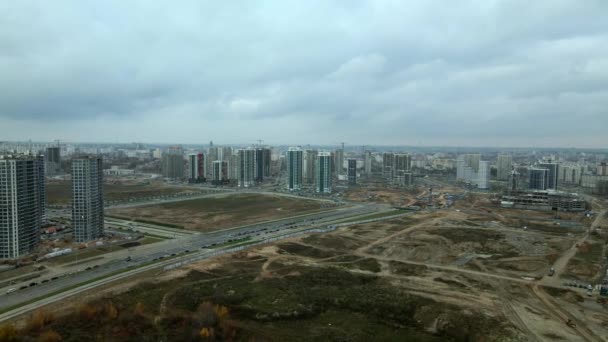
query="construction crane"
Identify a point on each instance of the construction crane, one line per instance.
(260, 141)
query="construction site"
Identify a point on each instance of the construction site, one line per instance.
(472, 271)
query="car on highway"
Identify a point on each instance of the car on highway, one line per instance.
(11, 290)
(33, 284)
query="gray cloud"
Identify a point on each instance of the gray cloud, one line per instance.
(375, 72)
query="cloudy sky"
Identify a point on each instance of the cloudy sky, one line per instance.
(479, 73)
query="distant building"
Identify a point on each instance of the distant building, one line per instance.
(262, 167)
(367, 163)
(538, 178)
(212, 156)
(172, 165)
(339, 161)
(352, 171)
(402, 165)
(504, 166)
(196, 167)
(553, 174)
(483, 175)
(87, 198)
(570, 174)
(41, 181)
(157, 153)
(323, 178)
(470, 169)
(388, 159)
(52, 160)
(295, 159)
(246, 168)
(233, 166)
(21, 207)
(602, 169)
(310, 170)
(219, 172)
(267, 162)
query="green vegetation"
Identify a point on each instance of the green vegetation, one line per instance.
(319, 304)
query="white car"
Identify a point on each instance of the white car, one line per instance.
(11, 290)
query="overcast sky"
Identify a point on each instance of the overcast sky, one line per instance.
(479, 73)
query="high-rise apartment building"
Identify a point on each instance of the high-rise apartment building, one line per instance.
(40, 165)
(388, 159)
(602, 169)
(219, 172)
(20, 207)
(504, 166)
(172, 165)
(295, 159)
(483, 181)
(310, 162)
(570, 174)
(233, 166)
(262, 163)
(352, 171)
(52, 160)
(246, 167)
(87, 198)
(471, 170)
(339, 161)
(212, 156)
(324, 170)
(367, 163)
(553, 174)
(402, 165)
(196, 167)
(539, 178)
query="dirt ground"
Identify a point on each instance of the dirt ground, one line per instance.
(60, 192)
(208, 214)
(441, 275)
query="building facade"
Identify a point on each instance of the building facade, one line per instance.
(388, 159)
(504, 165)
(552, 175)
(172, 165)
(310, 170)
(196, 168)
(219, 172)
(20, 205)
(339, 161)
(352, 171)
(52, 158)
(87, 198)
(295, 161)
(367, 163)
(246, 168)
(402, 165)
(538, 178)
(324, 170)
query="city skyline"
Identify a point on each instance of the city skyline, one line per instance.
(466, 76)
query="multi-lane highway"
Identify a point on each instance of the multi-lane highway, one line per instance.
(138, 259)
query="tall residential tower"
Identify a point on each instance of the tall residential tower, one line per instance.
(20, 207)
(295, 159)
(87, 198)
